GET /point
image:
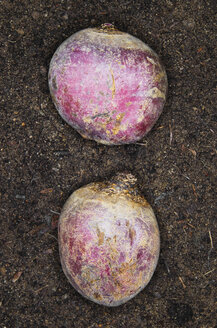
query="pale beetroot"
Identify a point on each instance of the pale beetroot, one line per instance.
(108, 85)
(108, 241)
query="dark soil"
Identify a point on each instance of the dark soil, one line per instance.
(43, 160)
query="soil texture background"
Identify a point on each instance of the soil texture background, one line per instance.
(43, 160)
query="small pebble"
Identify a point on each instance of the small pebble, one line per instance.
(43, 70)
(35, 14)
(20, 31)
(20, 197)
(55, 169)
(169, 4)
(157, 295)
(48, 218)
(62, 153)
(65, 16)
(44, 104)
(48, 251)
(189, 23)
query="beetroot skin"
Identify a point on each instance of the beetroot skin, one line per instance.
(108, 85)
(108, 241)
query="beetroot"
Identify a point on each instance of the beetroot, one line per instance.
(108, 241)
(108, 85)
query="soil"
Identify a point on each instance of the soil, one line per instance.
(43, 160)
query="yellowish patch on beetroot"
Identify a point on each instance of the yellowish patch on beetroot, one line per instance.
(113, 89)
(101, 237)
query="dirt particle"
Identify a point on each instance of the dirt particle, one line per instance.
(189, 23)
(35, 15)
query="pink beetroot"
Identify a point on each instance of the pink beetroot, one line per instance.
(108, 241)
(108, 85)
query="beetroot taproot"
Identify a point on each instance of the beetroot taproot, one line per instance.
(108, 85)
(108, 240)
